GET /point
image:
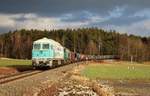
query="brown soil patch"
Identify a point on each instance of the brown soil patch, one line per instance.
(104, 61)
(51, 91)
(148, 63)
(129, 87)
(6, 70)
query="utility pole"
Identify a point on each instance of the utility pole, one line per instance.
(63, 40)
(99, 46)
(131, 59)
(74, 43)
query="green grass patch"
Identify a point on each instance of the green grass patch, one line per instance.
(117, 71)
(14, 62)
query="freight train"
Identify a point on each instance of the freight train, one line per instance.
(49, 53)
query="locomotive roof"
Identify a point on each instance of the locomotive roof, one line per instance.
(46, 40)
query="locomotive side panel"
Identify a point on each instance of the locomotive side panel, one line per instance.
(58, 52)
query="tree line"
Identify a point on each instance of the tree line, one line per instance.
(94, 41)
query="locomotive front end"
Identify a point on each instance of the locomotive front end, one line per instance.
(41, 55)
(47, 53)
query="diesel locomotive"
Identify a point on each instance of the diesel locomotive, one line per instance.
(49, 53)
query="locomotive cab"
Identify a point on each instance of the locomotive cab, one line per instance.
(42, 54)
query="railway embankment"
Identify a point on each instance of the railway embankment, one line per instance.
(61, 81)
(32, 85)
(73, 84)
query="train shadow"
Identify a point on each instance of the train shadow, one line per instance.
(42, 68)
(21, 68)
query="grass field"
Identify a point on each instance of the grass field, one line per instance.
(117, 70)
(14, 62)
(125, 77)
(19, 65)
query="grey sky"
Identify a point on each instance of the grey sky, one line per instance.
(125, 16)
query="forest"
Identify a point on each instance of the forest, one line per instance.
(94, 41)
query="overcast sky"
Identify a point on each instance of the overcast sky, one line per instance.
(125, 16)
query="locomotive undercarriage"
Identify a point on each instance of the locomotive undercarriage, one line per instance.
(47, 62)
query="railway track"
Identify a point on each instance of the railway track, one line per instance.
(35, 83)
(13, 77)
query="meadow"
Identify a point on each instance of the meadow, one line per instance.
(17, 64)
(125, 77)
(117, 70)
(14, 62)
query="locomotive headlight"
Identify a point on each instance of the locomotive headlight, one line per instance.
(48, 59)
(33, 59)
(47, 62)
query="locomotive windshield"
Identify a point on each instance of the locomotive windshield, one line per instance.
(36, 46)
(45, 46)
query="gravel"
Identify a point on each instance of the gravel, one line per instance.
(31, 86)
(54, 82)
(74, 88)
